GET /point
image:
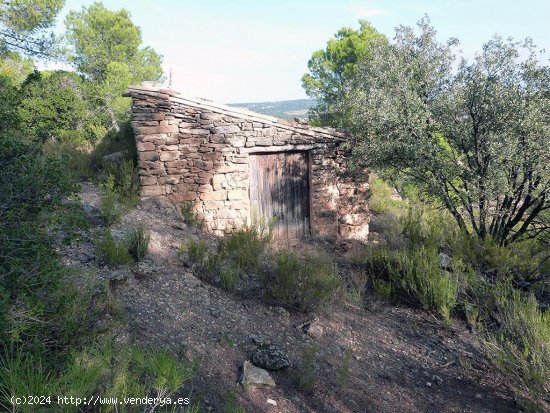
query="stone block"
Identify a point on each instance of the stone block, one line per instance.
(214, 196)
(145, 146)
(149, 156)
(237, 141)
(226, 129)
(186, 196)
(148, 180)
(155, 190)
(169, 156)
(236, 194)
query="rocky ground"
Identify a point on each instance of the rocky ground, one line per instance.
(400, 360)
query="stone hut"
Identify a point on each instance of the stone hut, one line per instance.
(234, 165)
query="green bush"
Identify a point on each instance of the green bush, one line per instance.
(190, 217)
(380, 197)
(111, 207)
(246, 245)
(344, 369)
(112, 252)
(230, 404)
(229, 275)
(137, 242)
(77, 156)
(195, 250)
(413, 275)
(518, 343)
(306, 374)
(304, 283)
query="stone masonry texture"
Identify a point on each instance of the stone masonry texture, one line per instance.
(195, 151)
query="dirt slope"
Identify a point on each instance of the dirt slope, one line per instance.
(403, 360)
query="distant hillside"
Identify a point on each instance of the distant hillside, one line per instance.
(285, 109)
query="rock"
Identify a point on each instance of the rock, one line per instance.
(117, 275)
(93, 214)
(437, 380)
(259, 340)
(281, 311)
(270, 357)
(179, 225)
(313, 329)
(116, 158)
(444, 261)
(254, 376)
(271, 402)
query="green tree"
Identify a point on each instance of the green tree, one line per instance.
(53, 105)
(477, 138)
(23, 25)
(106, 49)
(329, 69)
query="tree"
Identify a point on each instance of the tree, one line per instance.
(476, 138)
(100, 36)
(23, 25)
(330, 68)
(106, 50)
(53, 105)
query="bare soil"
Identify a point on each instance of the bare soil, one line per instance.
(403, 360)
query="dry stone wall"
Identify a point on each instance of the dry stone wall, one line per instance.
(196, 151)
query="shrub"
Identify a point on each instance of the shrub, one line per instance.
(304, 283)
(246, 245)
(77, 157)
(413, 275)
(137, 242)
(190, 217)
(229, 275)
(230, 404)
(343, 370)
(380, 197)
(69, 220)
(112, 252)
(306, 374)
(160, 370)
(196, 251)
(111, 207)
(518, 342)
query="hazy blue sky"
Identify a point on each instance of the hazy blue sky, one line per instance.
(245, 50)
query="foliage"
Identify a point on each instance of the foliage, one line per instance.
(161, 370)
(304, 283)
(475, 138)
(53, 106)
(229, 275)
(15, 68)
(190, 217)
(230, 404)
(106, 49)
(137, 242)
(112, 252)
(246, 245)
(518, 344)
(76, 156)
(120, 191)
(111, 207)
(196, 251)
(306, 374)
(23, 24)
(344, 369)
(331, 67)
(414, 275)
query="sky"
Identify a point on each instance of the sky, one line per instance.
(238, 51)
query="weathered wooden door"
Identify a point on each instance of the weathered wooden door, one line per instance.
(279, 188)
